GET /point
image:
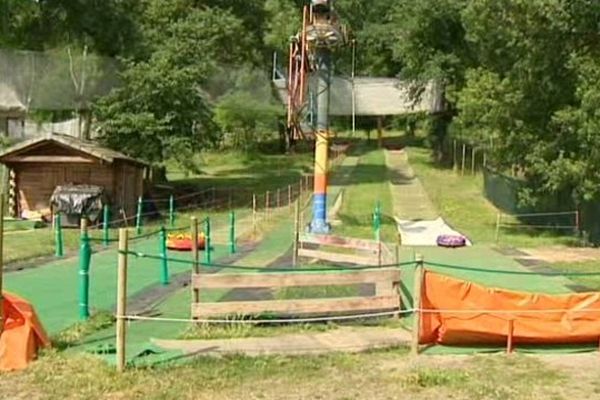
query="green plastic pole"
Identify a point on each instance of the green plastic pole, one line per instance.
(172, 211)
(85, 254)
(164, 267)
(105, 226)
(58, 237)
(232, 232)
(138, 217)
(207, 255)
(377, 221)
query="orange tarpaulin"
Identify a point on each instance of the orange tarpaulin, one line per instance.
(22, 334)
(537, 318)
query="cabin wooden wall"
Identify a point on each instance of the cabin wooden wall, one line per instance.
(36, 182)
(128, 186)
(123, 183)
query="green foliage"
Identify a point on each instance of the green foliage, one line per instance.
(284, 20)
(519, 76)
(488, 108)
(430, 40)
(107, 27)
(246, 121)
(246, 110)
(161, 103)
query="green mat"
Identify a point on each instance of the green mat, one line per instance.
(53, 288)
(140, 350)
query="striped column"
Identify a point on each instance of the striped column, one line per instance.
(12, 193)
(319, 222)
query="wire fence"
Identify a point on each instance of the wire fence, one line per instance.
(560, 222)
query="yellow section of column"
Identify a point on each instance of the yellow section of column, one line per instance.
(321, 153)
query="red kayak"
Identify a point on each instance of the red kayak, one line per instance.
(183, 242)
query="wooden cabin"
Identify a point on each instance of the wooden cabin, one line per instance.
(37, 166)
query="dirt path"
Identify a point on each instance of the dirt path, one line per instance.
(411, 201)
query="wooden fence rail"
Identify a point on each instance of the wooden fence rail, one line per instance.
(385, 280)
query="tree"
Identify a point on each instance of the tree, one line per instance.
(161, 109)
(106, 27)
(284, 20)
(248, 112)
(430, 41)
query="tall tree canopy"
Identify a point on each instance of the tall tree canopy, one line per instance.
(519, 76)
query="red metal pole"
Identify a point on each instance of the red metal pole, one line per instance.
(289, 86)
(303, 54)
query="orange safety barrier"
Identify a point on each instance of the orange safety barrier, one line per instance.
(22, 334)
(457, 312)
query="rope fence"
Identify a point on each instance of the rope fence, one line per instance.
(242, 321)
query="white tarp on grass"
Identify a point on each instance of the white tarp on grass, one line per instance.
(424, 232)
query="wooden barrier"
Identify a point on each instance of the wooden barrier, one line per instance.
(385, 280)
(366, 252)
(337, 257)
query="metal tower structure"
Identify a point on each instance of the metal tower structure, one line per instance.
(311, 53)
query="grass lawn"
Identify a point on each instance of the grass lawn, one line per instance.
(460, 200)
(387, 374)
(255, 172)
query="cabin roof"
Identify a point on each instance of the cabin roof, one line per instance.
(87, 147)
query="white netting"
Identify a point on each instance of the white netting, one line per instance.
(375, 96)
(65, 79)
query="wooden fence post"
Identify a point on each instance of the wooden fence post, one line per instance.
(267, 204)
(498, 220)
(417, 314)
(464, 155)
(122, 300)
(296, 232)
(278, 198)
(254, 214)
(195, 254)
(473, 152)
(509, 336)
(454, 158)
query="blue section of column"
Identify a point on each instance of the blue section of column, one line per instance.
(319, 222)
